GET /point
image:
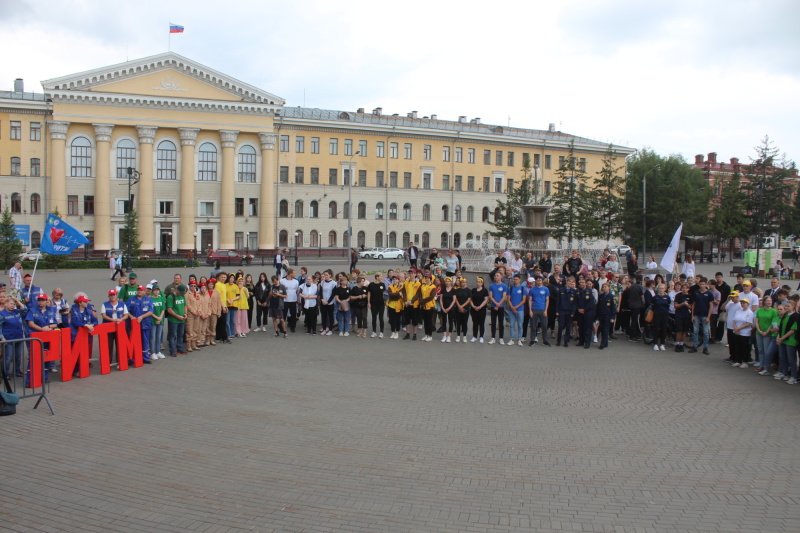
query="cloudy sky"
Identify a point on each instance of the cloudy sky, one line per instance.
(682, 77)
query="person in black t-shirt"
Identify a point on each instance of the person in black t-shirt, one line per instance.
(479, 299)
(375, 303)
(358, 302)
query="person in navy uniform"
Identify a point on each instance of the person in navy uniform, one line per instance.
(41, 318)
(140, 308)
(606, 313)
(113, 311)
(578, 316)
(567, 304)
(587, 309)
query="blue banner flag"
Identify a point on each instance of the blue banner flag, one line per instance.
(60, 238)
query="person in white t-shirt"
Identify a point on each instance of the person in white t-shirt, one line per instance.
(742, 328)
(290, 303)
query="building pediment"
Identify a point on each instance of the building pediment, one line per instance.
(164, 80)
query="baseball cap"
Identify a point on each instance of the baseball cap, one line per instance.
(149, 286)
(132, 275)
(82, 298)
(140, 288)
(211, 281)
(112, 291)
(530, 280)
(734, 294)
(192, 282)
(41, 296)
(746, 282)
(156, 287)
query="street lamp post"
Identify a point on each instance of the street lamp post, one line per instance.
(644, 212)
(350, 167)
(194, 242)
(86, 246)
(133, 178)
(246, 244)
(296, 236)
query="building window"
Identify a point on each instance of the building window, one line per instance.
(333, 210)
(346, 176)
(16, 203)
(459, 183)
(392, 240)
(313, 238)
(238, 207)
(379, 211)
(548, 161)
(380, 150)
(72, 205)
(283, 238)
(582, 164)
(379, 239)
(497, 214)
(486, 184)
(313, 209)
(498, 157)
(457, 214)
(445, 182)
(207, 164)
(298, 209)
(393, 179)
(333, 149)
(283, 209)
(470, 216)
(470, 183)
(36, 131)
(16, 166)
(407, 180)
(426, 212)
(510, 159)
(362, 147)
(445, 213)
(379, 178)
(407, 151)
(456, 240)
(206, 209)
(36, 166)
(406, 239)
(126, 157)
(332, 177)
(283, 175)
(526, 159)
(444, 240)
(36, 239)
(165, 208)
(81, 157)
(536, 160)
(393, 148)
(459, 154)
(314, 145)
(426, 239)
(561, 160)
(247, 164)
(346, 211)
(487, 157)
(167, 163)
(445, 153)
(362, 210)
(498, 185)
(547, 188)
(88, 205)
(299, 174)
(36, 203)
(299, 144)
(348, 147)
(510, 184)
(426, 152)
(332, 239)
(16, 130)
(470, 155)
(485, 214)
(362, 178)
(314, 176)
(393, 211)
(284, 147)
(252, 209)
(406, 211)
(426, 180)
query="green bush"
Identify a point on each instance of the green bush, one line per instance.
(80, 264)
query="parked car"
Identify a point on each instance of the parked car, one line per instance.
(228, 257)
(390, 253)
(31, 255)
(620, 250)
(372, 252)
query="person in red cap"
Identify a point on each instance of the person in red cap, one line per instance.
(214, 311)
(192, 316)
(81, 316)
(113, 311)
(141, 309)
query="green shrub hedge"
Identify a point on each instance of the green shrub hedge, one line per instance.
(80, 264)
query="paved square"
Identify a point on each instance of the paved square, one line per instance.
(344, 434)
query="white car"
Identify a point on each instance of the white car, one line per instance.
(620, 251)
(31, 255)
(389, 253)
(369, 253)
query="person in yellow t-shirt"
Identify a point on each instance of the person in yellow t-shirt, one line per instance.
(242, 305)
(231, 297)
(427, 303)
(412, 311)
(395, 305)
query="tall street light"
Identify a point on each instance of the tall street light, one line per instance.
(133, 178)
(350, 167)
(644, 211)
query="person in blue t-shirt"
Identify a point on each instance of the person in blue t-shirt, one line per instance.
(515, 309)
(12, 326)
(42, 318)
(497, 302)
(539, 304)
(141, 309)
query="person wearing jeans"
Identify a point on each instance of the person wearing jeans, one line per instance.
(497, 301)
(342, 297)
(176, 321)
(515, 310)
(766, 324)
(787, 347)
(702, 301)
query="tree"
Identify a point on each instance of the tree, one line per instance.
(510, 210)
(131, 220)
(573, 212)
(10, 245)
(728, 219)
(608, 193)
(56, 261)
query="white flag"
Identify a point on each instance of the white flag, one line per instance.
(668, 262)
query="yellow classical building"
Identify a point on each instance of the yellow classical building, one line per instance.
(223, 164)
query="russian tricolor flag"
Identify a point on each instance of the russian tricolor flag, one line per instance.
(175, 28)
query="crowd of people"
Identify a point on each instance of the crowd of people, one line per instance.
(524, 300)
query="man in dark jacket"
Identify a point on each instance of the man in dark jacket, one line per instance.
(636, 305)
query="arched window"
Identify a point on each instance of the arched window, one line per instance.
(283, 209)
(333, 210)
(470, 236)
(36, 239)
(379, 239)
(426, 240)
(298, 209)
(379, 211)
(470, 214)
(426, 212)
(36, 203)
(313, 238)
(167, 161)
(313, 209)
(445, 212)
(392, 211)
(406, 211)
(497, 214)
(456, 240)
(207, 162)
(126, 157)
(16, 203)
(392, 239)
(81, 157)
(332, 239)
(298, 239)
(457, 214)
(485, 214)
(362, 210)
(247, 164)
(283, 238)
(346, 210)
(361, 239)
(406, 239)
(445, 241)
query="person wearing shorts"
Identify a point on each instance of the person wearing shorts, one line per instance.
(276, 297)
(683, 316)
(411, 312)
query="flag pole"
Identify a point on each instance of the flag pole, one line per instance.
(33, 275)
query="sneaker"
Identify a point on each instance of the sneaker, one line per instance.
(346, 334)
(340, 334)
(277, 334)
(444, 339)
(491, 341)
(473, 339)
(786, 378)
(373, 335)
(662, 348)
(510, 343)
(743, 365)
(546, 343)
(380, 335)
(595, 339)
(531, 343)
(285, 336)
(735, 364)
(655, 347)
(448, 339)
(764, 373)
(408, 336)
(480, 340)
(705, 351)
(458, 338)
(501, 342)
(792, 381)
(778, 375)
(692, 350)
(414, 337)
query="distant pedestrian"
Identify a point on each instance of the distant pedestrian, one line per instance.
(190, 259)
